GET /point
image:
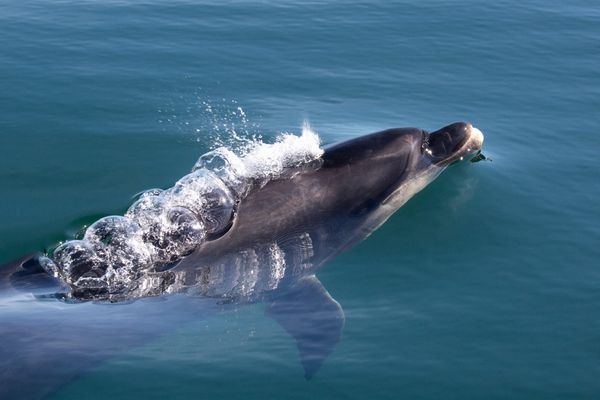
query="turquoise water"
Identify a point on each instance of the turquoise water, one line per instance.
(485, 285)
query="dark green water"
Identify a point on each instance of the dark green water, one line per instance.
(485, 285)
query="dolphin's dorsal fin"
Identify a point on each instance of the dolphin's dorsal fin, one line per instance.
(312, 317)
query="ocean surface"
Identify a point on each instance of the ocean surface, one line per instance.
(485, 285)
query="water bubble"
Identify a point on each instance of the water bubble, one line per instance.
(178, 234)
(217, 211)
(213, 160)
(227, 166)
(184, 229)
(49, 266)
(147, 209)
(112, 230)
(120, 238)
(208, 197)
(170, 230)
(78, 258)
(147, 193)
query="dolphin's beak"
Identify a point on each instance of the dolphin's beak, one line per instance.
(476, 137)
(473, 144)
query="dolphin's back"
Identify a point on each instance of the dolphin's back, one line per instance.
(328, 203)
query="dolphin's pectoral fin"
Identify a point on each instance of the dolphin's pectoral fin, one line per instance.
(309, 313)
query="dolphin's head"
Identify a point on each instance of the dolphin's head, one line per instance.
(454, 142)
(395, 151)
(390, 166)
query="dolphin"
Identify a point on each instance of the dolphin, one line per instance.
(282, 232)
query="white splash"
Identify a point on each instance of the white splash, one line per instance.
(259, 161)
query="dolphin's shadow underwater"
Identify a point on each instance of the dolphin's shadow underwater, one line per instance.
(279, 232)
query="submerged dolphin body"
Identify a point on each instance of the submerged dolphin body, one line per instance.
(282, 233)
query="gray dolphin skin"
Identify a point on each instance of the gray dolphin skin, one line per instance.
(281, 234)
